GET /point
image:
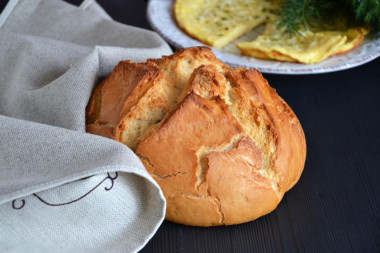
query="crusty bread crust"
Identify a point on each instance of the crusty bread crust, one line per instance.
(220, 142)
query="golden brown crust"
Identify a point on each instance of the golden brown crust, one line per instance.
(220, 142)
(208, 120)
(279, 124)
(180, 66)
(234, 179)
(116, 95)
(288, 132)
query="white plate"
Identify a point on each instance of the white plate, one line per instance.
(160, 16)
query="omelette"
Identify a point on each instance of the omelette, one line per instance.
(305, 47)
(218, 22)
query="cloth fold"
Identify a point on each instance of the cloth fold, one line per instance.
(62, 189)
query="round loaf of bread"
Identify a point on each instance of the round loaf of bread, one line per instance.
(220, 142)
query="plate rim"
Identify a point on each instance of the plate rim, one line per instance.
(306, 70)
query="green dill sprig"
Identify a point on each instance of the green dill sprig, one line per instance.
(296, 14)
(367, 12)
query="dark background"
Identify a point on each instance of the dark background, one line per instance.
(335, 205)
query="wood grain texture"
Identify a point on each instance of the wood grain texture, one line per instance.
(335, 207)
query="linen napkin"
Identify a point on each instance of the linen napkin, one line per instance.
(61, 189)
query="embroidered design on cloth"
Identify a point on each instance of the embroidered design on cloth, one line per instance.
(17, 206)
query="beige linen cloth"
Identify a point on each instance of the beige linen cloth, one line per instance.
(61, 189)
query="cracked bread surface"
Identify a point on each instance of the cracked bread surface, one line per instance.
(220, 142)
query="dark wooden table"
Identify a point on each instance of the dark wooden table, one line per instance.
(335, 207)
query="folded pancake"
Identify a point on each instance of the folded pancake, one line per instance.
(305, 47)
(218, 22)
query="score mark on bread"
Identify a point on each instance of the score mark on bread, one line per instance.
(220, 142)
